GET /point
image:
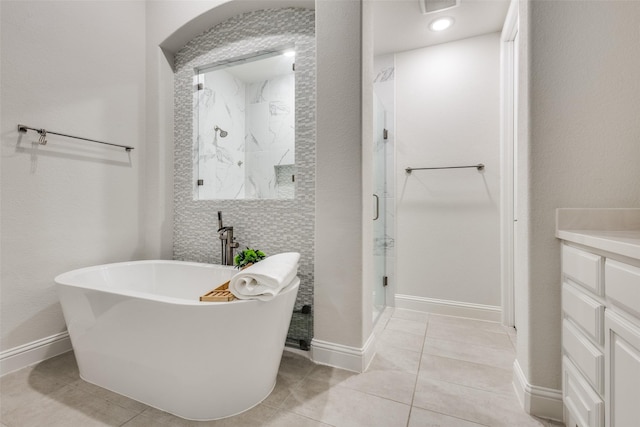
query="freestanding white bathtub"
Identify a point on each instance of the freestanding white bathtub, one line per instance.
(138, 329)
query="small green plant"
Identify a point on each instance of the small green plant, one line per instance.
(248, 256)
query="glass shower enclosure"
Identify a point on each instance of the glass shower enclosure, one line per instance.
(379, 209)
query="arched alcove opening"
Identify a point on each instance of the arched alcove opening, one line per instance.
(220, 13)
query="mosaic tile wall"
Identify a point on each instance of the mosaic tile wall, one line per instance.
(273, 226)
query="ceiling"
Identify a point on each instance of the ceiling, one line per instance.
(399, 25)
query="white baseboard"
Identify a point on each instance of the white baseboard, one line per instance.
(343, 356)
(449, 308)
(34, 352)
(539, 401)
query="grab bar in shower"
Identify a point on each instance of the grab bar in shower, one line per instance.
(479, 166)
(43, 137)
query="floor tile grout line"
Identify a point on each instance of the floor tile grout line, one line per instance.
(418, 375)
(497, 393)
(280, 406)
(477, 324)
(368, 393)
(130, 419)
(507, 348)
(453, 416)
(415, 384)
(307, 417)
(482, 365)
(471, 330)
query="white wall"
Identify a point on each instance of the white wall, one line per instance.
(338, 291)
(164, 19)
(584, 99)
(76, 68)
(447, 114)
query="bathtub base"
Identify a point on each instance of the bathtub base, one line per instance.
(183, 416)
(196, 360)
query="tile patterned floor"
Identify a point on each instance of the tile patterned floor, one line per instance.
(429, 371)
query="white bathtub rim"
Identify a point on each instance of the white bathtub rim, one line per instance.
(63, 279)
(67, 275)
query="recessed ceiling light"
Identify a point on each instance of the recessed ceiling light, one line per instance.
(441, 24)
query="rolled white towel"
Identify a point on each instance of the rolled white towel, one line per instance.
(265, 279)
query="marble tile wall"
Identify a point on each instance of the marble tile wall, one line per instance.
(259, 118)
(273, 226)
(270, 134)
(221, 161)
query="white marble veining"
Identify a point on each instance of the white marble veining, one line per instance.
(221, 160)
(259, 117)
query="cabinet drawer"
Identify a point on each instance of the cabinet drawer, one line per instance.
(585, 311)
(584, 405)
(584, 354)
(583, 268)
(623, 285)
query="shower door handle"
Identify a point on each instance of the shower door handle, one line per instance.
(377, 207)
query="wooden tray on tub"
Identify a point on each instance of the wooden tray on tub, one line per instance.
(221, 293)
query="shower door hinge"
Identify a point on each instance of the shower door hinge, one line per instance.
(293, 66)
(293, 178)
(385, 281)
(200, 86)
(201, 182)
(385, 134)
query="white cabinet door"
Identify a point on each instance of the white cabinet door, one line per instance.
(622, 371)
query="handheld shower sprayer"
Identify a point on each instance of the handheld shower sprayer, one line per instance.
(223, 133)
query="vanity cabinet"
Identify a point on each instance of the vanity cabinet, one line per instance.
(622, 371)
(600, 338)
(622, 344)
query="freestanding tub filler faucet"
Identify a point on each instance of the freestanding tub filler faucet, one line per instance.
(227, 241)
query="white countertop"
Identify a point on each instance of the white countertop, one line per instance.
(621, 242)
(615, 230)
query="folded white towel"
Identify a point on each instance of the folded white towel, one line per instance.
(265, 279)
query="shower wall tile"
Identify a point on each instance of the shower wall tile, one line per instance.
(273, 226)
(220, 160)
(270, 127)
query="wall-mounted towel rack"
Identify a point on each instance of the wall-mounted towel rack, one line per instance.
(479, 166)
(43, 137)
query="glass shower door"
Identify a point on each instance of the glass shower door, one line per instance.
(379, 210)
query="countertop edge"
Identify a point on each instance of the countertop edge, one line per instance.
(609, 244)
